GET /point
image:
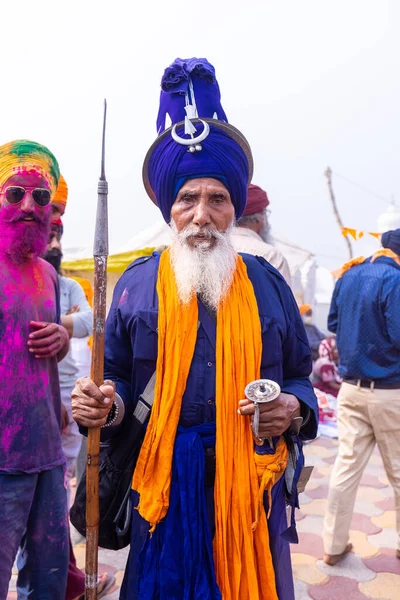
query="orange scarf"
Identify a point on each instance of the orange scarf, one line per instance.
(347, 266)
(388, 253)
(358, 261)
(242, 555)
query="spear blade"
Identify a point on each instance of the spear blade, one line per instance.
(103, 145)
(101, 231)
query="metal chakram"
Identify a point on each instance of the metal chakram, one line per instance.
(259, 392)
(194, 141)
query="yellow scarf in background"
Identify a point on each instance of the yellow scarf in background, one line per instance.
(242, 556)
(361, 259)
(347, 266)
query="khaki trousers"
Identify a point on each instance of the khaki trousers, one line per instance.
(365, 417)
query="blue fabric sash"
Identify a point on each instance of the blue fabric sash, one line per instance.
(176, 561)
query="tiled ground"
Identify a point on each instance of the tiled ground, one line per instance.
(371, 571)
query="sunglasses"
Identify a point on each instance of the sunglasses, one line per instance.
(14, 194)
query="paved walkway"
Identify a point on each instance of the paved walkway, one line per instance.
(370, 571)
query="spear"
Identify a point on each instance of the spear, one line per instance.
(100, 253)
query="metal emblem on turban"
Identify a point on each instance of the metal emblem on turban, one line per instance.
(194, 142)
(190, 129)
(259, 392)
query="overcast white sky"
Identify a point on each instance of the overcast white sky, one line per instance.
(310, 84)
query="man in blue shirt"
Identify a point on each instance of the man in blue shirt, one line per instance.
(207, 322)
(365, 315)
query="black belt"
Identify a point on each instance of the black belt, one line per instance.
(379, 385)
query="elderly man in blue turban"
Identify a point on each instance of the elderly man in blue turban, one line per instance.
(365, 316)
(211, 496)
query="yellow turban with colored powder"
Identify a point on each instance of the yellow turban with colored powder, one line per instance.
(24, 156)
(61, 194)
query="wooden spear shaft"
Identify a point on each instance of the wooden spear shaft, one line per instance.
(328, 175)
(100, 253)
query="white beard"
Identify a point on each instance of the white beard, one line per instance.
(203, 270)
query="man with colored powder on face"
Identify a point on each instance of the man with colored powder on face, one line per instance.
(211, 498)
(33, 501)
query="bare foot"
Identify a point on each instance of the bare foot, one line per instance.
(333, 559)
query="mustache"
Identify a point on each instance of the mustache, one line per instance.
(206, 232)
(22, 217)
(54, 253)
(13, 214)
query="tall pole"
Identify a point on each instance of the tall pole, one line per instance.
(328, 175)
(100, 253)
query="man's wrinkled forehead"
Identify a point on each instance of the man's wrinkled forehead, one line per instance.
(207, 184)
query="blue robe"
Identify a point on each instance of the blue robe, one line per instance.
(130, 361)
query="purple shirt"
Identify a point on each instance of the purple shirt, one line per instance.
(30, 405)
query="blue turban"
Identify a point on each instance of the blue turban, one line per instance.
(171, 165)
(175, 84)
(391, 240)
(190, 92)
